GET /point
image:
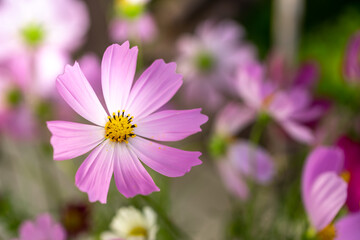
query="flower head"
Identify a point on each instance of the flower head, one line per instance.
(120, 137)
(209, 65)
(43, 228)
(289, 108)
(132, 224)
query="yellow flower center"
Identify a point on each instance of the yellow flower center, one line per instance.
(119, 127)
(346, 176)
(138, 231)
(328, 233)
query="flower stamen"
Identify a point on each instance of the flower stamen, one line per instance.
(119, 127)
(328, 233)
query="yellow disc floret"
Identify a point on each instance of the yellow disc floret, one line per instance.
(328, 233)
(119, 127)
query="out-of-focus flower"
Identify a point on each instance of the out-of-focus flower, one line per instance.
(75, 218)
(208, 65)
(11, 106)
(44, 227)
(351, 63)
(37, 36)
(351, 151)
(132, 21)
(237, 160)
(290, 109)
(324, 193)
(119, 139)
(132, 224)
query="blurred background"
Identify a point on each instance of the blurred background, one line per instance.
(292, 40)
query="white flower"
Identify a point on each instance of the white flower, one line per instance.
(132, 224)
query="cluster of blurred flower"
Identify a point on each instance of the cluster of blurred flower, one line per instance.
(263, 114)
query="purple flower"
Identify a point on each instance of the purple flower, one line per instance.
(209, 66)
(324, 193)
(237, 160)
(119, 139)
(289, 108)
(44, 227)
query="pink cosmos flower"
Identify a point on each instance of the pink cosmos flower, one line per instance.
(44, 227)
(37, 37)
(324, 193)
(121, 137)
(351, 63)
(132, 21)
(208, 66)
(351, 151)
(289, 108)
(237, 160)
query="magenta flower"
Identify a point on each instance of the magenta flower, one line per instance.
(120, 139)
(351, 63)
(351, 151)
(209, 66)
(44, 227)
(290, 109)
(237, 160)
(324, 193)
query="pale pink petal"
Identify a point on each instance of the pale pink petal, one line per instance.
(298, 132)
(233, 118)
(71, 140)
(117, 74)
(77, 92)
(166, 160)
(94, 174)
(232, 179)
(327, 196)
(28, 231)
(155, 87)
(348, 228)
(131, 178)
(171, 125)
(90, 65)
(50, 228)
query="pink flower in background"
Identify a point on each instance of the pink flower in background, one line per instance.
(208, 65)
(132, 21)
(324, 193)
(44, 227)
(119, 139)
(37, 37)
(290, 109)
(351, 63)
(351, 151)
(238, 160)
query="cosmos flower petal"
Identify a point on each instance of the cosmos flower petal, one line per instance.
(155, 87)
(171, 125)
(351, 63)
(94, 174)
(348, 227)
(327, 196)
(298, 132)
(232, 179)
(166, 160)
(70, 140)
(321, 160)
(117, 74)
(131, 178)
(78, 93)
(233, 118)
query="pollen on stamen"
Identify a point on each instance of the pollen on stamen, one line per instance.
(119, 127)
